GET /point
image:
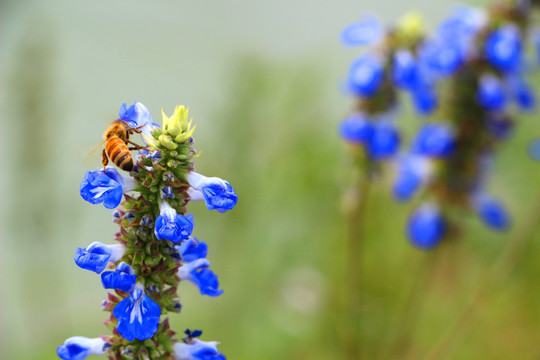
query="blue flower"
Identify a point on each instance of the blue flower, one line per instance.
(137, 116)
(440, 57)
(426, 227)
(217, 194)
(365, 32)
(356, 129)
(412, 172)
(365, 76)
(491, 94)
(500, 127)
(404, 69)
(424, 97)
(464, 22)
(97, 255)
(79, 347)
(123, 278)
(172, 226)
(503, 48)
(385, 140)
(491, 212)
(191, 250)
(138, 316)
(521, 92)
(105, 186)
(197, 273)
(435, 140)
(197, 350)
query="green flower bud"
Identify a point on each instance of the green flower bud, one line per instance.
(167, 142)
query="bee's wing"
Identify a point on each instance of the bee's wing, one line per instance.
(94, 153)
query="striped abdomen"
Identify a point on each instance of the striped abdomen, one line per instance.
(119, 154)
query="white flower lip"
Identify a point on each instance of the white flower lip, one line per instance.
(167, 212)
(185, 270)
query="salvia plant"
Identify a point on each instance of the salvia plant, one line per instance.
(466, 79)
(154, 249)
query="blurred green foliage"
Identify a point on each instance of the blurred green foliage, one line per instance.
(279, 254)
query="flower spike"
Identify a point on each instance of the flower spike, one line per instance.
(154, 248)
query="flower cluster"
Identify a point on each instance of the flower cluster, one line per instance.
(468, 75)
(155, 249)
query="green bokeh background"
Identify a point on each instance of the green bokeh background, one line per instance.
(262, 80)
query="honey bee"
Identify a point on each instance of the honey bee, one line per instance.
(117, 143)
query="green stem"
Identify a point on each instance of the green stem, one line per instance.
(498, 274)
(433, 264)
(352, 297)
(408, 310)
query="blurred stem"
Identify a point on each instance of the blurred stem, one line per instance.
(409, 310)
(408, 316)
(355, 205)
(498, 274)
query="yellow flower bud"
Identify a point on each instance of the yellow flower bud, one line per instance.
(411, 24)
(177, 123)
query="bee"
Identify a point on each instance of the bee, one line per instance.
(117, 143)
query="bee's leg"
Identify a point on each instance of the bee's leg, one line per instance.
(136, 129)
(135, 145)
(104, 159)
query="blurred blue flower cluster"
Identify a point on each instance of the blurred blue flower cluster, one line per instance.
(467, 75)
(154, 249)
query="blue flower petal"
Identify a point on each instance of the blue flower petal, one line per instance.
(193, 250)
(426, 227)
(94, 260)
(424, 98)
(175, 231)
(219, 196)
(195, 349)
(492, 213)
(491, 94)
(412, 172)
(404, 70)
(365, 76)
(435, 140)
(79, 347)
(123, 278)
(102, 187)
(356, 129)
(499, 127)
(384, 142)
(138, 316)
(97, 255)
(72, 352)
(440, 57)
(522, 93)
(365, 32)
(136, 115)
(207, 282)
(406, 185)
(503, 48)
